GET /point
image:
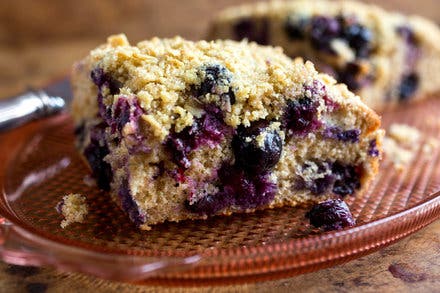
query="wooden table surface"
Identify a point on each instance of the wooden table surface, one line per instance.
(39, 41)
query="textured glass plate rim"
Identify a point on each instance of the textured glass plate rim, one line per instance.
(21, 244)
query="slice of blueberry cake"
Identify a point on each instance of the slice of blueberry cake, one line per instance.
(385, 57)
(185, 130)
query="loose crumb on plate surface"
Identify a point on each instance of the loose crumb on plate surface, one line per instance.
(402, 143)
(74, 208)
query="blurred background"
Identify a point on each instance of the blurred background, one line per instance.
(39, 40)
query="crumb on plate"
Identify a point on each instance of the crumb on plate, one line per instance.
(74, 208)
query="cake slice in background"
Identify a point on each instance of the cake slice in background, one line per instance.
(185, 130)
(385, 57)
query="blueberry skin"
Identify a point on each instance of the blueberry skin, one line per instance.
(332, 214)
(253, 30)
(359, 39)
(372, 148)
(300, 116)
(95, 152)
(347, 179)
(249, 190)
(408, 86)
(296, 30)
(323, 30)
(211, 204)
(335, 132)
(250, 155)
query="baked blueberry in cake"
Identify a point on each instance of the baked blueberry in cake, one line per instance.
(178, 130)
(387, 58)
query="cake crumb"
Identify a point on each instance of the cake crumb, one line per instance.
(430, 145)
(398, 155)
(402, 143)
(404, 134)
(74, 208)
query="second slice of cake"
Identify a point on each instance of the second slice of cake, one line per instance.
(185, 130)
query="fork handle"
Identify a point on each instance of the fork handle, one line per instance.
(26, 107)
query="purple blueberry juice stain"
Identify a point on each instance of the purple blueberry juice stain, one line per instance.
(249, 190)
(336, 177)
(407, 272)
(128, 110)
(209, 129)
(335, 132)
(102, 79)
(95, 153)
(121, 115)
(332, 214)
(59, 206)
(237, 188)
(372, 148)
(407, 34)
(129, 205)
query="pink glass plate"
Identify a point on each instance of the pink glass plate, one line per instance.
(39, 164)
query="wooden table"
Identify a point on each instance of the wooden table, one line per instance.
(41, 40)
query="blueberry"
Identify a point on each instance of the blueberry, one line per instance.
(335, 132)
(179, 149)
(407, 34)
(121, 114)
(125, 111)
(372, 148)
(332, 214)
(352, 76)
(323, 30)
(101, 79)
(296, 29)
(97, 76)
(214, 77)
(209, 129)
(408, 86)
(347, 179)
(211, 203)
(359, 39)
(321, 185)
(254, 30)
(249, 190)
(300, 116)
(95, 153)
(257, 148)
(129, 205)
